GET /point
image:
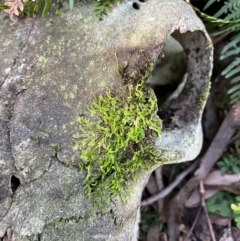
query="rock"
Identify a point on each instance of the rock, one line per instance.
(51, 70)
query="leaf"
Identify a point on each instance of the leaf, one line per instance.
(235, 80)
(46, 8)
(37, 6)
(30, 8)
(229, 25)
(71, 4)
(208, 4)
(14, 7)
(231, 66)
(233, 89)
(219, 204)
(232, 44)
(235, 169)
(236, 208)
(224, 169)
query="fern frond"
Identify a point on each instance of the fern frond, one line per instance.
(228, 27)
(30, 8)
(14, 7)
(225, 26)
(232, 48)
(209, 3)
(235, 80)
(46, 8)
(37, 6)
(231, 8)
(27, 7)
(232, 68)
(235, 13)
(102, 7)
(234, 93)
(230, 24)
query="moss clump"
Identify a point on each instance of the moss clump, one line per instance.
(116, 141)
(204, 96)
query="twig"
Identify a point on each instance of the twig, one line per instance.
(169, 188)
(235, 138)
(173, 221)
(202, 192)
(160, 186)
(194, 223)
(219, 142)
(213, 153)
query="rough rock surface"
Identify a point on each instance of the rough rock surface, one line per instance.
(50, 71)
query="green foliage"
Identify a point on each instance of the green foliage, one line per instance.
(104, 6)
(229, 162)
(28, 7)
(149, 221)
(219, 204)
(46, 9)
(236, 210)
(71, 4)
(115, 141)
(31, 7)
(228, 25)
(231, 9)
(3, 7)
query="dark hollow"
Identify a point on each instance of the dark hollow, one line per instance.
(15, 182)
(136, 6)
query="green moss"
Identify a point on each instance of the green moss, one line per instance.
(55, 147)
(203, 98)
(209, 45)
(116, 140)
(205, 94)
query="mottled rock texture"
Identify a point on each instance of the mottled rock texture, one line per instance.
(50, 71)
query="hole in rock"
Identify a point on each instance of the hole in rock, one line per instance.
(15, 182)
(136, 6)
(169, 74)
(142, 1)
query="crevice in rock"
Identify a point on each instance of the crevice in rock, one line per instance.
(7, 236)
(63, 163)
(52, 158)
(15, 93)
(8, 96)
(66, 220)
(15, 183)
(35, 237)
(43, 173)
(15, 61)
(20, 91)
(114, 217)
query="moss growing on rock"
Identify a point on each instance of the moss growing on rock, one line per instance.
(116, 139)
(203, 97)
